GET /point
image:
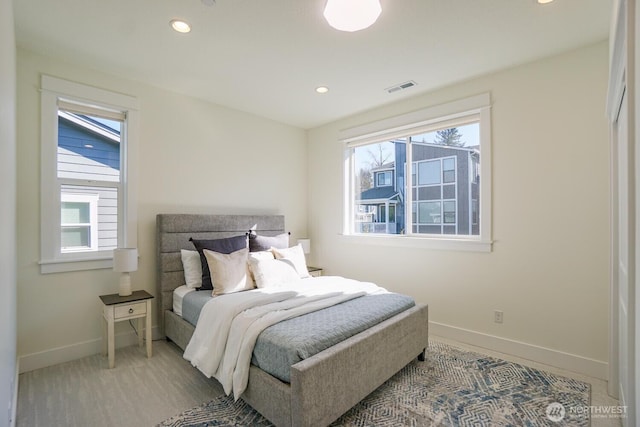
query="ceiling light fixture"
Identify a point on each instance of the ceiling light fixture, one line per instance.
(352, 15)
(180, 26)
(322, 89)
(544, 1)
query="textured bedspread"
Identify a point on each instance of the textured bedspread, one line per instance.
(192, 304)
(284, 344)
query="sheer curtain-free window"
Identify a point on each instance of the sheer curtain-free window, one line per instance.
(441, 167)
(87, 187)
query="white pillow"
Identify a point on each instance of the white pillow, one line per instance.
(295, 255)
(260, 255)
(229, 272)
(192, 268)
(272, 272)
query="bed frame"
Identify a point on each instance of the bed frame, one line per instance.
(323, 387)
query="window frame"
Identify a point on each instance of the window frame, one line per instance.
(384, 174)
(53, 92)
(456, 113)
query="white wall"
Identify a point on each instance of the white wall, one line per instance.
(7, 212)
(548, 270)
(194, 157)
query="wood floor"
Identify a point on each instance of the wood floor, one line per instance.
(138, 392)
(143, 392)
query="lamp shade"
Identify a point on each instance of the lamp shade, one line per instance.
(125, 260)
(306, 245)
(352, 15)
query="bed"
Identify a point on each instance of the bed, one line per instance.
(322, 387)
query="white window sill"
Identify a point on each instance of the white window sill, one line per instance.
(448, 244)
(65, 265)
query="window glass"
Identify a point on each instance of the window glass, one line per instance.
(429, 213)
(88, 147)
(449, 170)
(429, 173)
(384, 178)
(449, 211)
(75, 213)
(89, 150)
(75, 238)
(444, 186)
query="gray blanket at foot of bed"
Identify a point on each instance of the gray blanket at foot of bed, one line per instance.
(286, 343)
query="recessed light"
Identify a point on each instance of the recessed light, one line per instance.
(322, 89)
(180, 26)
(544, 1)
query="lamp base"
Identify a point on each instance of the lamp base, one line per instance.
(125, 285)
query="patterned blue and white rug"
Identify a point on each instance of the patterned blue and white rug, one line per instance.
(453, 387)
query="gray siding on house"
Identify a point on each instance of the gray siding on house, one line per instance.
(460, 192)
(75, 160)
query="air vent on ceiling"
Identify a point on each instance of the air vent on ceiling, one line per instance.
(401, 86)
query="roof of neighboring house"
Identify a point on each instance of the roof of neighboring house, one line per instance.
(378, 193)
(96, 127)
(385, 166)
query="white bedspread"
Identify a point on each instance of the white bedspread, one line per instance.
(229, 325)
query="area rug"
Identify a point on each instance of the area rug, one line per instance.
(453, 387)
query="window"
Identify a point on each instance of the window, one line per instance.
(436, 156)
(384, 178)
(78, 222)
(87, 190)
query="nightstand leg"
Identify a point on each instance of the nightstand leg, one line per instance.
(111, 344)
(147, 329)
(140, 336)
(105, 335)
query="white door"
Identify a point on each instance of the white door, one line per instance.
(625, 270)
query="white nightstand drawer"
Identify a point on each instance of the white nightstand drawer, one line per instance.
(130, 310)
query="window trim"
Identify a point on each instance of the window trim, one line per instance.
(454, 113)
(55, 91)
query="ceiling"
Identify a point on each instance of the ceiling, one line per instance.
(266, 57)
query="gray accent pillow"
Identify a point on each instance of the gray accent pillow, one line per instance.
(264, 243)
(223, 246)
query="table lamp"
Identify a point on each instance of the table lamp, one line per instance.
(125, 260)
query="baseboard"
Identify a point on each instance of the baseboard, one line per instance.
(14, 403)
(55, 356)
(571, 362)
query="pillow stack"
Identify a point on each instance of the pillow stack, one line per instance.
(241, 263)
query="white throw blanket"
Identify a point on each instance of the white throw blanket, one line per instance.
(229, 325)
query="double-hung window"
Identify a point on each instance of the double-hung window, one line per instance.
(436, 188)
(87, 186)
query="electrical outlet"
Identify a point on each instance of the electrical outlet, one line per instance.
(497, 316)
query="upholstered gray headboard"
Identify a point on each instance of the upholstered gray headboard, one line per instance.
(173, 232)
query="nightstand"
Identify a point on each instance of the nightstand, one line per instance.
(116, 309)
(314, 271)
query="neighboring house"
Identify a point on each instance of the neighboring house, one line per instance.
(445, 192)
(88, 148)
(377, 207)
